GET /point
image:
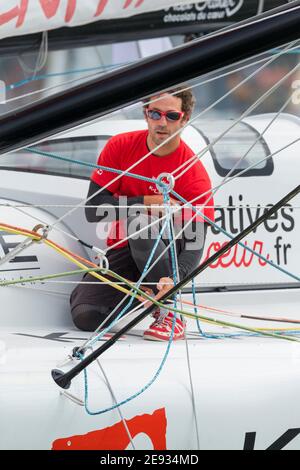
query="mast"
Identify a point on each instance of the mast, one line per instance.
(112, 91)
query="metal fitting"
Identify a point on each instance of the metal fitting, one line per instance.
(166, 182)
(44, 229)
(103, 261)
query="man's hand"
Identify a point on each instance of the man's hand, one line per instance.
(164, 285)
(153, 201)
(158, 200)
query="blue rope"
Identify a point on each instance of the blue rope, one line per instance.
(91, 165)
(132, 397)
(195, 307)
(202, 333)
(161, 184)
(123, 402)
(171, 240)
(125, 309)
(21, 83)
(231, 237)
(276, 50)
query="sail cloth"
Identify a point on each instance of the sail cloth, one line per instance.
(124, 17)
(20, 17)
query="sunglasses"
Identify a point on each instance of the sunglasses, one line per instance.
(169, 115)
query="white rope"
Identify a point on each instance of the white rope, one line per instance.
(201, 195)
(242, 158)
(222, 184)
(249, 150)
(202, 284)
(197, 197)
(202, 152)
(76, 80)
(186, 339)
(149, 153)
(75, 208)
(158, 206)
(287, 48)
(265, 95)
(225, 181)
(116, 403)
(41, 58)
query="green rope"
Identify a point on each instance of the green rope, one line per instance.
(202, 317)
(148, 297)
(49, 276)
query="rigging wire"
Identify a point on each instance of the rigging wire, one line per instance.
(214, 191)
(232, 170)
(170, 241)
(216, 206)
(69, 255)
(186, 302)
(201, 195)
(73, 257)
(41, 58)
(49, 228)
(198, 196)
(149, 383)
(125, 172)
(278, 52)
(177, 277)
(188, 204)
(236, 121)
(116, 402)
(229, 180)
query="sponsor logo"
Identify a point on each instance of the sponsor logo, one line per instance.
(62, 9)
(154, 189)
(230, 7)
(205, 10)
(235, 218)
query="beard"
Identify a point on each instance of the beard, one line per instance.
(160, 134)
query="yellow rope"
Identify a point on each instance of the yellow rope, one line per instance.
(81, 265)
(73, 259)
(60, 250)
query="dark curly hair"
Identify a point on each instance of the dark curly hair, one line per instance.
(186, 95)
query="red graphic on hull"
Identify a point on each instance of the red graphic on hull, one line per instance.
(116, 438)
(18, 12)
(103, 4)
(50, 8)
(237, 256)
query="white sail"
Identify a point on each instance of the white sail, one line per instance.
(19, 17)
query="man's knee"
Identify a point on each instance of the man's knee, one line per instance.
(87, 318)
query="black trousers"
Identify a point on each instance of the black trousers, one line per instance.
(92, 303)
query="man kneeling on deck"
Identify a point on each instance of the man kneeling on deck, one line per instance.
(166, 114)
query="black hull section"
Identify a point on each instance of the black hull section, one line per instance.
(116, 89)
